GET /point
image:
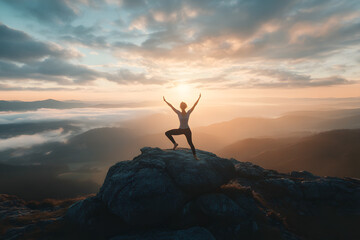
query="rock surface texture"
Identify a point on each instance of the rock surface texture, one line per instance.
(166, 194)
(155, 185)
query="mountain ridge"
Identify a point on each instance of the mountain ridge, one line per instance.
(34, 105)
(331, 153)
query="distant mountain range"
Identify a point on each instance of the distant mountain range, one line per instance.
(55, 104)
(28, 106)
(243, 150)
(289, 125)
(331, 153)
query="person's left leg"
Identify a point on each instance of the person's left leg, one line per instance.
(189, 140)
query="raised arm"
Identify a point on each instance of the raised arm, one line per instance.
(193, 107)
(174, 109)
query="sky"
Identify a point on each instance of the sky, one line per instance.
(139, 50)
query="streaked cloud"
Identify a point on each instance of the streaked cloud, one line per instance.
(268, 78)
(26, 141)
(290, 79)
(96, 116)
(48, 62)
(50, 69)
(45, 12)
(18, 46)
(161, 42)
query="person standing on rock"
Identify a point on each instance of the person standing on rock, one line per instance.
(184, 127)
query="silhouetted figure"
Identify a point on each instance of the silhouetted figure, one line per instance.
(184, 127)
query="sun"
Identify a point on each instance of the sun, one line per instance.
(183, 89)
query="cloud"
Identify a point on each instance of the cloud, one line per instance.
(133, 4)
(50, 69)
(7, 87)
(196, 29)
(50, 62)
(267, 78)
(124, 76)
(26, 141)
(296, 83)
(58, 125)
(45, 11)
(65, 73)
(159, 38)
(18, 46)
(94, 116)
(9, 130)
(270, 29)
(59, 16)
(39, 60)
(282, 78)
(84, 35)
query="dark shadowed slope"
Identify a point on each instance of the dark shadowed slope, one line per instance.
(242, 150)
(333, 153)
(39, 182)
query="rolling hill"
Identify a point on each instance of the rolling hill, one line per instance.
(243, 150)
(285, 126)
(332, 153)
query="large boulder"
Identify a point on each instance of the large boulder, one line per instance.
(86, 212)
(155, 185)
(199, 176)
(217, 205)
(91, 213)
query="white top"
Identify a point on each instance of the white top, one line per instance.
(184, 119)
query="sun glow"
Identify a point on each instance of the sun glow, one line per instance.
(183, 89)
(185, 92)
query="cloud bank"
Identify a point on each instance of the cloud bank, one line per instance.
(163, 41)
(26, 141)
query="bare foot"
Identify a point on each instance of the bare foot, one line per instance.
(196, 158)
(175, 145)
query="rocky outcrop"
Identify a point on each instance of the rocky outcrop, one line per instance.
(154, 186)
(170, 195)
(165, 194)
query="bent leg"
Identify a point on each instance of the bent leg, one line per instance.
(172, 132)
(189, 140)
